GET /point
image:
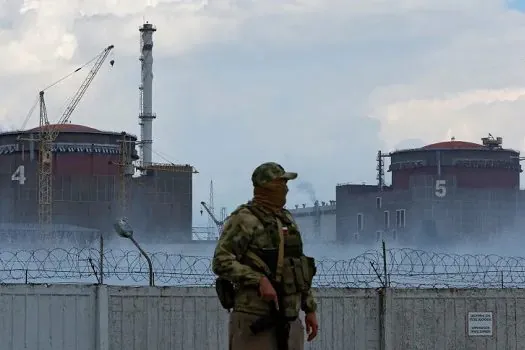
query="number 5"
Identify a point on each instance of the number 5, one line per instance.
(19, 175)
(441, 189)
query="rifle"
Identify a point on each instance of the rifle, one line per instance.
(273, 259)
(276, 319)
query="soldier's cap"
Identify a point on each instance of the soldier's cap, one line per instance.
(270, 171)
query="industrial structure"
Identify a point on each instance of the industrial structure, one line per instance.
(77, 180)
(215, 225)
(443, 193)
(318, 222)
(63, 180)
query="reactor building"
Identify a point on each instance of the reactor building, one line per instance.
(96, 177)
(443, 193)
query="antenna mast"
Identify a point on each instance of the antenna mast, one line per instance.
(146, 93)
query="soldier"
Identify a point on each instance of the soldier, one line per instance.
(263, 274)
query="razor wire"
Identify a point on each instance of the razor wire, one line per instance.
(404, 268)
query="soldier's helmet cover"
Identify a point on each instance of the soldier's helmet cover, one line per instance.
(270, 171)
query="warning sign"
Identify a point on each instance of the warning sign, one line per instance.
(480, 323)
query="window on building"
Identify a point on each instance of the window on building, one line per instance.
(400, 218)
(378, 236)
(387, 219)
(360, 222)
(379, 202)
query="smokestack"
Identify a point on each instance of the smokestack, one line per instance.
(146, 92)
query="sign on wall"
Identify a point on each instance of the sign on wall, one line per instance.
(479, 324)
(19, 175)
(441, 188)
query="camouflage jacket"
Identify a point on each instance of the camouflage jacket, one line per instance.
(243, 232)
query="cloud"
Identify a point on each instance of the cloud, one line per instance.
(319, 85)
(456, 115)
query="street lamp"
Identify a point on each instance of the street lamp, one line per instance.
(124, 230)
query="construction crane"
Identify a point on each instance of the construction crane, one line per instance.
(219, 223)
(210, 209)
(48, 134)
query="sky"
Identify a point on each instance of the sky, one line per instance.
(317, 85)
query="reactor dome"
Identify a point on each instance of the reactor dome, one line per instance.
(468, 164)
(68, 127)
(453, 144)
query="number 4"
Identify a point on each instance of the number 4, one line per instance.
(441, 189)
(19, 175)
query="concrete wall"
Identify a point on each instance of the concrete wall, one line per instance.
(460, 216)
(45, 317)
(437, 319)
(142, 318)
(351, 202)
(192, 318)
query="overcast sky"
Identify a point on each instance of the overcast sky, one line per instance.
(318, 85)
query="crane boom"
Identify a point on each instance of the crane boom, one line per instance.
(84, 86)
(217, 222)
(48, 134)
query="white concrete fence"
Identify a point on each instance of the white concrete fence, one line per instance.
(93, 317)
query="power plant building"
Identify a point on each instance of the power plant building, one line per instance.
(95, 176)
(317, 223)
(443, 193)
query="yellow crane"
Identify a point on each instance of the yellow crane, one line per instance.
(47, 136)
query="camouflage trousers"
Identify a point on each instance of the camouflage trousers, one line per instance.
(241, 338)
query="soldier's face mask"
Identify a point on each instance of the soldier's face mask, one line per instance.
(278, 186)
(272, 194)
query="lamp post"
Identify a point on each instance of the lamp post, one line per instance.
(124, 230)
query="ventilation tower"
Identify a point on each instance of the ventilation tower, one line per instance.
(146, 92)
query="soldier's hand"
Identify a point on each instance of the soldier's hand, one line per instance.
(310, 321)
(267, 291)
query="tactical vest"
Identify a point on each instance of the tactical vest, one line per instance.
(297, 269)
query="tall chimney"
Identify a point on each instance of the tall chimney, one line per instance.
(146, 92)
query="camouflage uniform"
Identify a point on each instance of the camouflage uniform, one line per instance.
(250, 229)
